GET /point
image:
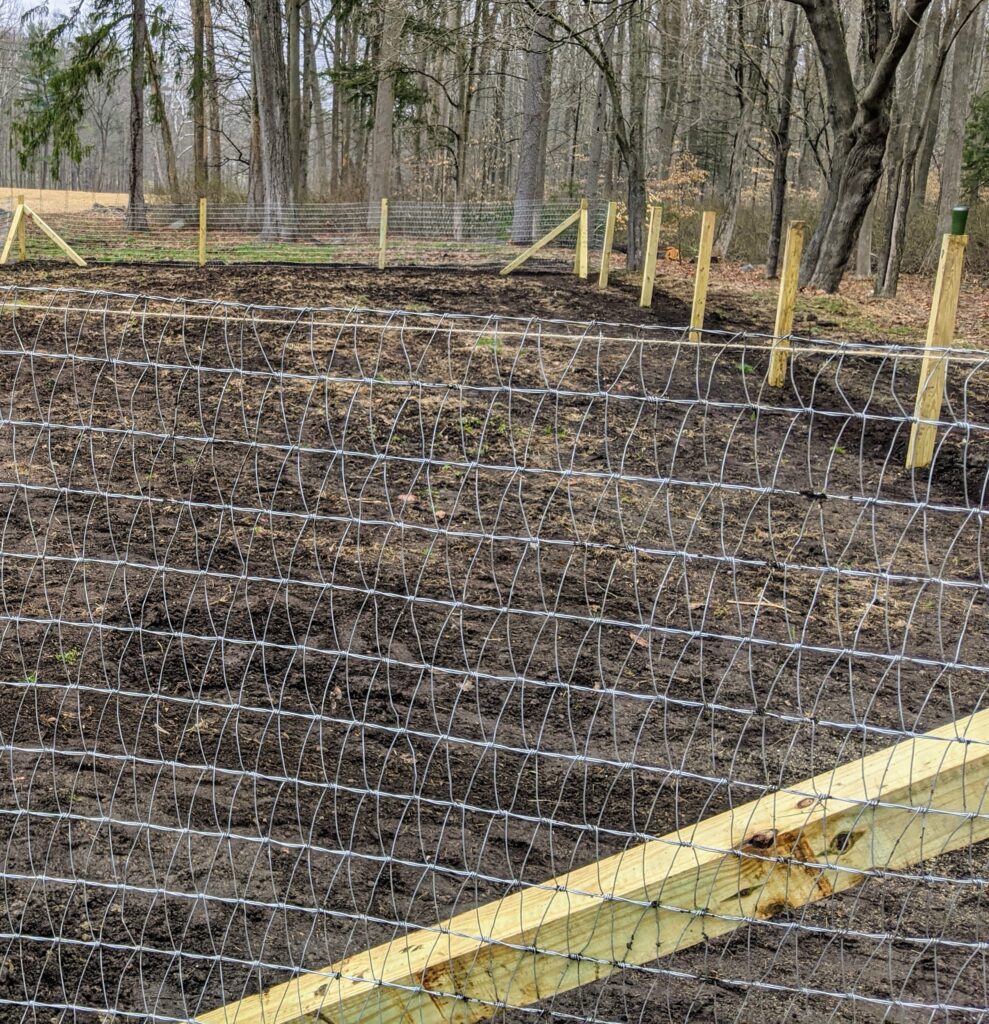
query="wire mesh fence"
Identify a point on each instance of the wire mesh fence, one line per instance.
(418, 233)
(323, 625)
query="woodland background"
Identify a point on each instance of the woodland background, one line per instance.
(867, 118)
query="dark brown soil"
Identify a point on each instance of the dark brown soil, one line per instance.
(448, 610)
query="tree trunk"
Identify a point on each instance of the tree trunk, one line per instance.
(161, 119)
(214, 178)
(863, 248)
(278, 213)
(781, 146)
(198, 90)
(530, 181)
(255, 177)
(314, 127)
(383, 138)
(137, 214)
(294, 94)
(634, 150)
(859, 123)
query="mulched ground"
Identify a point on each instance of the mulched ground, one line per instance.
(424, 637)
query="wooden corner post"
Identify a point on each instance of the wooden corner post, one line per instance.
(382, 233)
(652, 252)
(20, 216)
(202, 231)
(13, 231)
(940, 333)
(580, 256)
(609, 240)
(897, 807)
(780, 356)
(21, 233)
(702, 275)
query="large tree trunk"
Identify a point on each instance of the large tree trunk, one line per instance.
(781, 145)
(535, 118)
(294, 79)
(278, 216)
(137, 215)
(214, 178)
(859, 122)
(198, 90)
(383, 137)
(634, 130)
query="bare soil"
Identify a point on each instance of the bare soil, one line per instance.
(418, 645)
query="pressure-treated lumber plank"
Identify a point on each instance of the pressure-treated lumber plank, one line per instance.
(580, 259)
(202, 231)
(536, 246)
(652, 251)
(702, 275)
(609, 240)
(382, 233)
(779, 358)
(904, 804)
(933, 370)
(21, 234)
(12, 232)
(55, 237)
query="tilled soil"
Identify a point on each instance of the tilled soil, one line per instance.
(319, 626)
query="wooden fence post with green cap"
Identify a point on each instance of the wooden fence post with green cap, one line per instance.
(940, 334)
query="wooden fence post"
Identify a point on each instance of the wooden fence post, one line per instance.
(702, 275)
(940, 334)
(202, 231)
(652, 251)
(21, 234)
(580, 256)
(779, 357)
(609, 239)
(382, 233)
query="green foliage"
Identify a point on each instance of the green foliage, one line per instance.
(975, 152)
(59, 78)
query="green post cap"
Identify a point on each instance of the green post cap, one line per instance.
(959, 217)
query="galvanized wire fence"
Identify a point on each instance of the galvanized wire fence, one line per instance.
(322, 625)
(418, 233)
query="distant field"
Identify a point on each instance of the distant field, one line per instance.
(60, 200)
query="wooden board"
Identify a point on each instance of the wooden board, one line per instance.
(779, 358)
(940, 334)
(702, 275)
(55, 237)
(652, 252)
(536, 246)
(920, 798)
(609, 240)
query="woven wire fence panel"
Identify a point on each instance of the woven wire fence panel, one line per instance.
(418, 233)
(322, 625)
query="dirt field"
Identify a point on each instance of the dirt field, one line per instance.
(424, 637)
(60, 200)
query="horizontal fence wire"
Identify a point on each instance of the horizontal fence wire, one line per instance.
(418, 233)
(321, 625)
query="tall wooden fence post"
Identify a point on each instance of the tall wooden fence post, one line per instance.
(382, 233)
(202, 231)
(580, 256)
(21, 233)
(702, 275)
(780, 356)
(652, 250)
(940, 333)
(609, 240)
